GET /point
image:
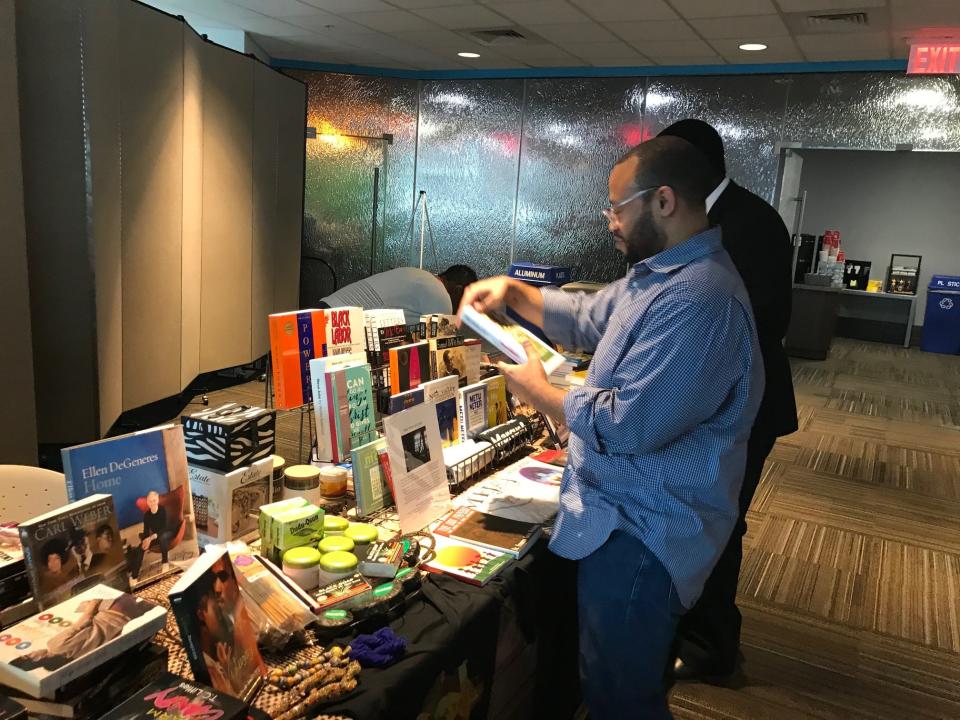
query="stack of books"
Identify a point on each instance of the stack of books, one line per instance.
(14, 585)
(572, 372)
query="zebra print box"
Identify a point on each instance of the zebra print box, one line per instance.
(230, 436)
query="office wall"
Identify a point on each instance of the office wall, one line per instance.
(543, 149)
(142, 146)
(884, 203)
(18, 422)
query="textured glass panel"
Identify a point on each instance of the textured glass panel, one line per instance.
(467, 164)
(874, 111)
(574, 131)
(747, 111)
(339, 179)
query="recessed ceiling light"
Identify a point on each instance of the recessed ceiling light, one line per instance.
(469, 55)
(753, 47)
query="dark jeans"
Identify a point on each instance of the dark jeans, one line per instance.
(629, 612)
(712, 627)
(135, 559)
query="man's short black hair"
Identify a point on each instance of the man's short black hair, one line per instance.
(105, 530)
(55, 547)
(704, 137)
(675, 163)
(459, 275)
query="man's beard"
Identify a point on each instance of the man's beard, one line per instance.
(645, 240)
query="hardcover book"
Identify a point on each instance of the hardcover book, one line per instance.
(471, 563)
(443, 394)
(295, 339)
(448, 356)
(405, 400)
(409, 366)
(514, 537)
(369, 484)
(146, 472)
(472, 410)
(172, 697)
(345, 332)
(215, 629)
(72, 548)
(75, 638)
(230, 436)
(227, 504)
(498, 411)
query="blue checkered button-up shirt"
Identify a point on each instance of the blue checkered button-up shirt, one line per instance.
(659, 432)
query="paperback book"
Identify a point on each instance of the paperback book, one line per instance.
(439, 325)
(172, 697)
(409, 366)
(467, 562)
(442, 393)
(389, 337)
(404, 400)
(509, 339)
(74, 638)
(376, 320)
(227, 504)
(345, 332)
(146, 473)
(346, 400)
(327, 417)
(369, 483)
(474, 356)
(472, 410)
(215, 629)
(498, 410)
(72, 548)
(295, 339)
(448, 356)
(514, 537)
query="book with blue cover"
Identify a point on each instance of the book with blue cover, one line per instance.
(146, 473)
(443, 394)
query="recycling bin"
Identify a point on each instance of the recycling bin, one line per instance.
(941, 322)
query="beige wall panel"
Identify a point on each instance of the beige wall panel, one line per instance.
(151, 66)
(264, 215)
(227, 188)
(101, 76)
(18, 412)
(60, 271)
(192, 206)
(292, 111)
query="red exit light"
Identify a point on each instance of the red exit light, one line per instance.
(934, 59)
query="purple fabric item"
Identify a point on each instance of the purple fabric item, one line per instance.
(381, 649)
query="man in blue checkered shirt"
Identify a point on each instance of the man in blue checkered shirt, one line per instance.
(658, 434)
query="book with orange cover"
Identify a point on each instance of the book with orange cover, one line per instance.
(296, 338)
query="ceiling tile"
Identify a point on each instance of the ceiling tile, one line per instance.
(739, 57)
(673, 48)
(622, 62)
(390, 21)
(464, 16)
(600, 51)
(706, 59)
(847, 54)
(823, 5)
(344, 6)
(326, 23)
(420, 4)
(775, 46)
(436, 39)
(741, 27)
(620, 11)
(825, 44)
(539, 13)
(531, 53)
(932, 15)
(573, 32)
(634, 32)
(274, 8)
(723, 8)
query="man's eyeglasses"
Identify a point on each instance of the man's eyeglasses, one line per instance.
(610, 213)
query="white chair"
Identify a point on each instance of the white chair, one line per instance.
(26, 492)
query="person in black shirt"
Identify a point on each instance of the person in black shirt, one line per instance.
(759, 244)
(154, 529)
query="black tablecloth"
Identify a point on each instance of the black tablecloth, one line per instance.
(452, 631)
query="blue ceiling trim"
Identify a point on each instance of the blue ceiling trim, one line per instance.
(599, 72)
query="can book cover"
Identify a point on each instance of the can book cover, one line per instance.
(74, 638)
(172, 697)
(72, 548)
(215, 628)
(146, 473)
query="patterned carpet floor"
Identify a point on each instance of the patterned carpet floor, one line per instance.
(850, 587)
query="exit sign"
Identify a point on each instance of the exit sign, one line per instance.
(934, 59)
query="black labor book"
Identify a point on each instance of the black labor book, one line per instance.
(514, 537)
